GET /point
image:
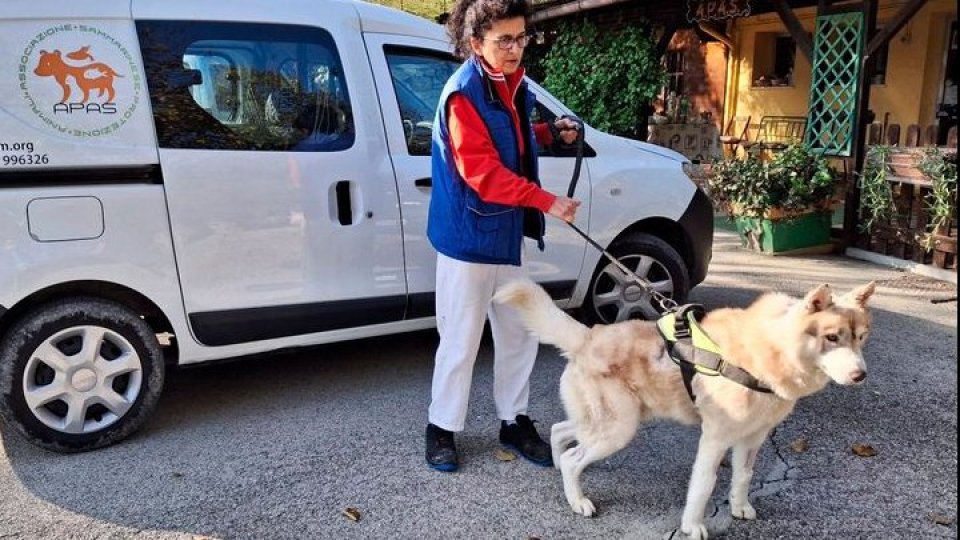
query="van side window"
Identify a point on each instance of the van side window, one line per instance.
(241, 86)
(418, 79)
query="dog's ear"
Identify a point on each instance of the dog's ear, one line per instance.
(859, 296)
(818, 299)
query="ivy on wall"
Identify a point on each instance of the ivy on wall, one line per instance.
(605, 76)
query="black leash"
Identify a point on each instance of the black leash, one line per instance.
(666, 303)
(691, 360)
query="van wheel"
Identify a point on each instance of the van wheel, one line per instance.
(615, 297)
(79, 374)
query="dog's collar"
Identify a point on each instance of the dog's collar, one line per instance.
(693, 350)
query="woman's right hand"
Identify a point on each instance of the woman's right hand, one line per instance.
(564, 208)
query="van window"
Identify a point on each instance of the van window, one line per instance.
(418, 79)
(237, 86)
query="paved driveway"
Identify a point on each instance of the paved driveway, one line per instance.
(277, 448)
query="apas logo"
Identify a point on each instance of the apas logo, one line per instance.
(76, 93)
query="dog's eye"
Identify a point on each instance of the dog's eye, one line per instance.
(833, 337)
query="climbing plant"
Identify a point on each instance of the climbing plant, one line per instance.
(605, 76)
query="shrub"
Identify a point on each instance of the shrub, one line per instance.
(606, 77)
(794, 181)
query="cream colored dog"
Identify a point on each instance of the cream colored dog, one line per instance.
(620, 375)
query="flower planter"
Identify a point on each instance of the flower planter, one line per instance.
(809, 232)
(903, 164)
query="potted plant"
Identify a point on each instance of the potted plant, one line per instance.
(780, 205)
(941, 201)
(877, 206)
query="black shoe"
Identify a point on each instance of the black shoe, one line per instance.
(441, 451)
(523, 438)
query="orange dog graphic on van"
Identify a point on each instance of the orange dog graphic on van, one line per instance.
(87, 77)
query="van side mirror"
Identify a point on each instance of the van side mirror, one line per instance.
(184, 78)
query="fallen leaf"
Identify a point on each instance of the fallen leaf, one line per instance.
(199, 537)
(941, 519)
(863, 450)
(505, 455)
(352, 513)
(800, 445)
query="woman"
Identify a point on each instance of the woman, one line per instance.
(486, 198)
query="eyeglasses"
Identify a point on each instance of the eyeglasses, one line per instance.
(507, 42)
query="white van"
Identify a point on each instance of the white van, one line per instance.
(186, 181)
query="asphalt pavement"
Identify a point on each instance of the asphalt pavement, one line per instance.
(281, 446)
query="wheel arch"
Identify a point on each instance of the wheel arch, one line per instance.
(132, 299)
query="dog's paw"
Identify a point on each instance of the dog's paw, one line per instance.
(583, 506)
(695, 532)
(743, 511)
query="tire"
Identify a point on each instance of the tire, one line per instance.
(64, 395)
(614, 297)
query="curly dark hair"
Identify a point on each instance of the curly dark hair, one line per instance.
(472, 18)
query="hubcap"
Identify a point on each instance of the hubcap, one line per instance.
(617, 297)
(82, 379)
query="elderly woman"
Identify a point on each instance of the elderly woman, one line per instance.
(486, 198)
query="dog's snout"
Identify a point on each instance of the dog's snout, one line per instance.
(858, 375)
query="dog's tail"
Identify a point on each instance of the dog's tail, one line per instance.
(542, 317)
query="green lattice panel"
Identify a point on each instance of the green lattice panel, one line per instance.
(835, 83)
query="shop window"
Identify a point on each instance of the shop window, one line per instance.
(774, 56)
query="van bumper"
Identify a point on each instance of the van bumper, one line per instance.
(697, 223)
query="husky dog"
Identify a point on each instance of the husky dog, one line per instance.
(620, 375)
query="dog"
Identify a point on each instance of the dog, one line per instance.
(620, 375)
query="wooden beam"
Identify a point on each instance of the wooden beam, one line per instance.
(851, 210)
(799, 35)
(570, 8)
(716, 34)
(903, 17)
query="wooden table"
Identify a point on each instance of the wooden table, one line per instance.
(698, 142)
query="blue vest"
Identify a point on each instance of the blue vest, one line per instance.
(460, 225)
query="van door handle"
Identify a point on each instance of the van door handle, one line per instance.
(423, 182)
(344, 202)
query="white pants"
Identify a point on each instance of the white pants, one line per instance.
(464, 292)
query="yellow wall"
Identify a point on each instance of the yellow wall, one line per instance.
(914, 67)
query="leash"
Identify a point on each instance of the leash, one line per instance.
(666, 303)
(687, 344)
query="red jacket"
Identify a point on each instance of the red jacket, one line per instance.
(476, 158)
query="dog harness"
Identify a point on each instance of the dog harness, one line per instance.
(693, 350)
